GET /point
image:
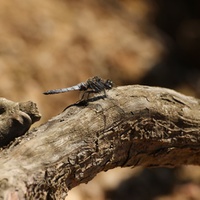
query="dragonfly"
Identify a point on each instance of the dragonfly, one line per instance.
(92, 85)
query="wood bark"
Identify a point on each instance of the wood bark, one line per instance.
(132, 126)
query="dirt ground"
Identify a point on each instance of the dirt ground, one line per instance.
(53, 44)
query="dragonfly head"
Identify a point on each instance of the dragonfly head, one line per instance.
(108, 84)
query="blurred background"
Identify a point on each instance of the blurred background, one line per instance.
(53, 44)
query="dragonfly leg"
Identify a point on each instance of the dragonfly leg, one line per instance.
(86, 95)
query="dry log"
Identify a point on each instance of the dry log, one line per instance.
(133, 126)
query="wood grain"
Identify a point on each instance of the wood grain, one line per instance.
(133, 126)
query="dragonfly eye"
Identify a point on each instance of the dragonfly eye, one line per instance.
(108, 84)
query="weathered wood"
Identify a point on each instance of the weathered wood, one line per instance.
(15, 119)
(133, 126)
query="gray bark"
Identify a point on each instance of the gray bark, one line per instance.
(133, 126)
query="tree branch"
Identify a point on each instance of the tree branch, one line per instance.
(15, 119)
(133, 126)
